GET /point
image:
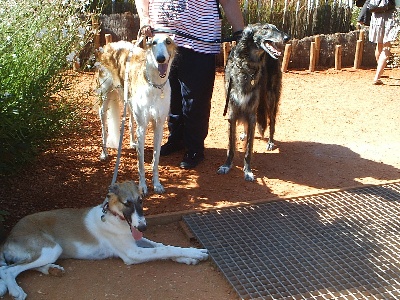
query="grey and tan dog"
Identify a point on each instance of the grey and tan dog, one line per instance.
(111, 229)
(253, 80)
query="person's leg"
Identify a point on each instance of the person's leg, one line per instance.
(382, 54)
(175, 118)
(378, 50)
(197, 75)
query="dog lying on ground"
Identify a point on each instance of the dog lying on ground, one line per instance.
(253, 81)
(113, 229)
(149, 95)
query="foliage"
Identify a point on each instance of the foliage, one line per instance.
(38, 40)
(299, 18)
(114, 7)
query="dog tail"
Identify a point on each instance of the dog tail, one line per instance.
(113, 121)
(227, 96)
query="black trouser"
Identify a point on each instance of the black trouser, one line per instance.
(192, 81)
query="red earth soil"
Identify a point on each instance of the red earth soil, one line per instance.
(335, 130)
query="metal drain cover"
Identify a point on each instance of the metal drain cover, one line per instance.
(339, 245)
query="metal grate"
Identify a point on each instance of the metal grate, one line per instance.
(339, 245)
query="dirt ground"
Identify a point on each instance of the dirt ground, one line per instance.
(335, 130)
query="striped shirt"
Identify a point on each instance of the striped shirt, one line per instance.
(199, 18)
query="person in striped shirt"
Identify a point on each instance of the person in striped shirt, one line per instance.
(197, 28)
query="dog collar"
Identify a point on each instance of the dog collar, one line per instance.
(157, 86)
(106, 209)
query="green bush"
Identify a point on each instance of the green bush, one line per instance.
(38, 42)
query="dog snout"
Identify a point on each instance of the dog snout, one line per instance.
(161, 59)
(142, 226)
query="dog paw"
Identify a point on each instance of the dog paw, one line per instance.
(270, 146)
(143, 189)
(56, 270)
(133, 145)
(51, 269)
(17, 293)
(159, 189)
(103, 156)
(248, 176)
(187, 260)
(193, 256)
(223, 169)
(193, 259)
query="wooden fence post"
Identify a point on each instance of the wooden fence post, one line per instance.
(317, 40)
(358, 54)
(338, 57)
(96, 40)
(359, 50)
(286, 57)
(226, 48)
(361, 35)
(96, 30)
(108, 38)
(312, 57)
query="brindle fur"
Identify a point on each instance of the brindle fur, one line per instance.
(253, 81)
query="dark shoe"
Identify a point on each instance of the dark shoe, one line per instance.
(191, 160)
(170, 147)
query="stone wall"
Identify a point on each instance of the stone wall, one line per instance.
(126, 26)
(121, 27)
(300, 56)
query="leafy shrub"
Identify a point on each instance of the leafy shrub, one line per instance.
(39, 40)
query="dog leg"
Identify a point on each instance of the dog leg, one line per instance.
(140, 134)
(189, 256)
(132, 142)
(248, 174)
(9, 273)
(225, 168)
(157, 139)
(272, 118)
(103, 120)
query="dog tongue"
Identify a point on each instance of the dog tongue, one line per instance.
(137, 235)
(162, 69)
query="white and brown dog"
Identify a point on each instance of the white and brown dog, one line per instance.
(112, 229)
(145, 71)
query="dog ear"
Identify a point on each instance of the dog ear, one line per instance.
(241, 44)
(141, 42)
(248, 31)
(113, 188)
(134, 189)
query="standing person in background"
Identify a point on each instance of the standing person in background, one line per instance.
(193, 73)
(364, 17)
(382, 31)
